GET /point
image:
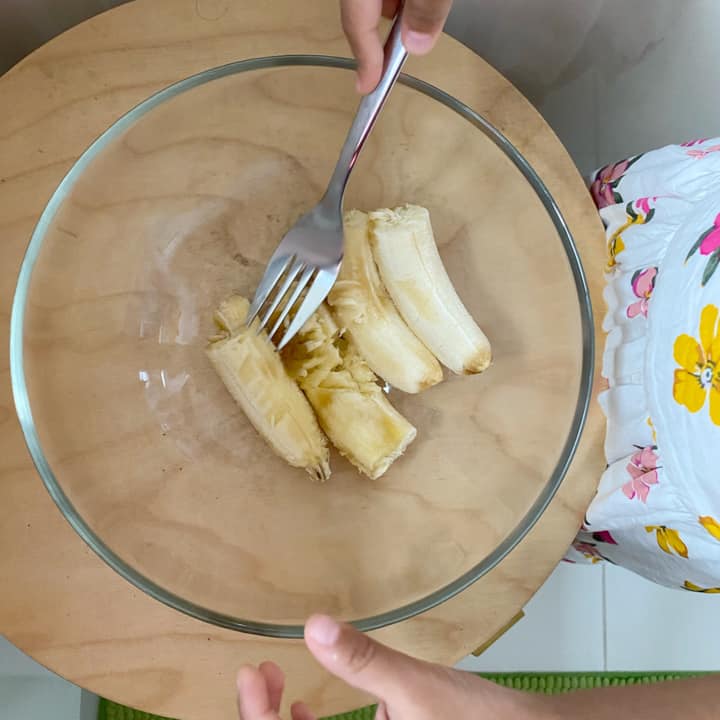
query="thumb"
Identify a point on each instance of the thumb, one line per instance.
(361, 661)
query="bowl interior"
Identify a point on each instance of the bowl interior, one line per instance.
(182, 205)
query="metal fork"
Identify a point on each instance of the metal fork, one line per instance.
(308, 258)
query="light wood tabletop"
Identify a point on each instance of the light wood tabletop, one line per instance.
(62, 604)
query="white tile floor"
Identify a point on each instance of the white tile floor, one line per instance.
(563, 629)
(33, 698)
(627, 77)
(603, 618)
(653, 628)
(29, 692)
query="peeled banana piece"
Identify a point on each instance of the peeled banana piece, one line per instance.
(362, 306)
(411, 268)
(352, 409)
(253, 373)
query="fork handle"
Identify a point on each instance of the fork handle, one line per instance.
(367, 113)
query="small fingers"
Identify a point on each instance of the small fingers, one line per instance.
(253, 696)
(275, 681)
(360, 19)
(423, 22)
(300, 711)
(381, 713)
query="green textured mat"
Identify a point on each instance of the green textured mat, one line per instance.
(552, 683)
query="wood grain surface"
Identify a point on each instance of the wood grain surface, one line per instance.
(62, 604)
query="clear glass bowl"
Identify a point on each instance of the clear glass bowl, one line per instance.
(181, 202)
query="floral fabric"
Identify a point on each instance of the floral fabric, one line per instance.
(657, 510)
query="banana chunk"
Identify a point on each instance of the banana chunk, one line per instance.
(352, 409)
(253, 373)
(410, 265)
(361, 304)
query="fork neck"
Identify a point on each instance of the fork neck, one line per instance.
(367, 113)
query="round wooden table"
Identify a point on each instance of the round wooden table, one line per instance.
(59, 602)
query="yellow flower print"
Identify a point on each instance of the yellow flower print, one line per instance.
(652, 427)
(616, 244)
(668, 540)
(696, 588)
(711, 525)
(699, 372)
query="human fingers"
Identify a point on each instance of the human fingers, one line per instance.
(275, 681)
(360, 20)
(300, 711)
(253, 697)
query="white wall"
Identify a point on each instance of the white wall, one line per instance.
(613, 77)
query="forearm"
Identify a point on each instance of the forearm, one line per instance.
(698, 699)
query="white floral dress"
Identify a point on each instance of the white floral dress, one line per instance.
(657, 510)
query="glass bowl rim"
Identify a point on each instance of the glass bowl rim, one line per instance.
(171, 599)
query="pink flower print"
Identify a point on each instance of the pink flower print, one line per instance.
(603, 188)
(643, 204)
(604, 536)
(711, 242)
(643, 284)
(642, 469)
(690, 143)
(709, 245)
(701, 153)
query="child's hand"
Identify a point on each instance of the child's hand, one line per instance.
(407, 689)
(423, 21)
